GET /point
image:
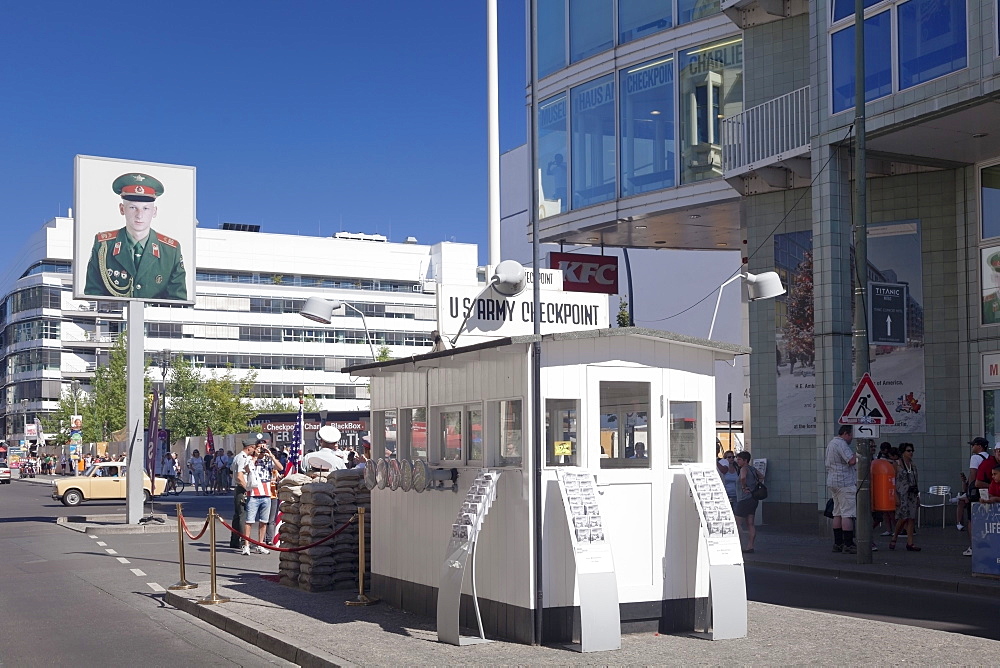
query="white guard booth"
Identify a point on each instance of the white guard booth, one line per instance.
(629, 406)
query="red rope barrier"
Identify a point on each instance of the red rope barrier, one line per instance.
(289, 549)
(185, 527)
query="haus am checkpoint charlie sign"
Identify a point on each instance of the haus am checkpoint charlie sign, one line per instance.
(480, 313)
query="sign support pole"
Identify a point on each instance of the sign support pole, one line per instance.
(862, 523)
(134, 412)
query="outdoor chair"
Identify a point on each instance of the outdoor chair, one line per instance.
(936, 497)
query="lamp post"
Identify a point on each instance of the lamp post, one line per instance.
(321, 310)
(165, 358)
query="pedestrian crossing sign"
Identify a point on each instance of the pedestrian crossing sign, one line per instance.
(866, 406)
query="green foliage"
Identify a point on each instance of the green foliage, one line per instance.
(228, 401)
(56, 425)
(187, 410)
(623, 318)
(383, 354)
(105, 412)
(274, 405)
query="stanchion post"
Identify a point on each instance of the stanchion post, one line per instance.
(214, 597)
(361, 599)
(182, 583)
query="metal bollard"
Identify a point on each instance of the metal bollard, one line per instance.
(182, 583)
(214, 597)
(361, 599)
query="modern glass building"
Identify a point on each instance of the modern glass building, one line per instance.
(730, 124)
(250, 288)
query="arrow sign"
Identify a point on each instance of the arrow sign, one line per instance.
(887, 304)
(866, 406)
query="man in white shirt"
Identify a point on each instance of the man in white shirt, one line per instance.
(842, 479)
(240, 462)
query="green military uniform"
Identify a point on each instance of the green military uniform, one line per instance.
(116, 269)
(119, 266)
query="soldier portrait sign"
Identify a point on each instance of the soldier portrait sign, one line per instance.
(134, 230)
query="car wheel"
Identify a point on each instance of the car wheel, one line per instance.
(73, 497)
(146, 496)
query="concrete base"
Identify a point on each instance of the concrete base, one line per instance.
(115, 524)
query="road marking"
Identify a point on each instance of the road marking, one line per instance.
(123, 560)
(155, 587)
(110, 551)
(137, 572)
(92, 535)
(101, 543)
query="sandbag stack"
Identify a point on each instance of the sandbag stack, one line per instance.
(289, 493)
(350, 494)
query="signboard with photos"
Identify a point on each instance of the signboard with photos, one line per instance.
(715, 513)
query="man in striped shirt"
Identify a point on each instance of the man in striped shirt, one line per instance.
(842, 479)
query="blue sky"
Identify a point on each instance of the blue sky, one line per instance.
(306, 117)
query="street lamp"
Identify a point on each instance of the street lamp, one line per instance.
(759, 286)
(165, 358)
(321, 310)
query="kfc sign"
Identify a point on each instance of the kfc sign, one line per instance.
(587, 273)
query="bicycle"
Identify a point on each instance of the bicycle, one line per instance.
(175, 486)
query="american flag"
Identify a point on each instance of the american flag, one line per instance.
(292, 466)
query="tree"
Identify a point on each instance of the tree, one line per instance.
(105, 412)
(187, 408)
(623, 318)
(57, 424)
(798, 329)
(383, 354)
(275, 405)
(229, 402)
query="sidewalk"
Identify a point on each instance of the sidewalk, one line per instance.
(939, 566)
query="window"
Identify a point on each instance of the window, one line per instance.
(991, 413)
(990, 193)
(450, 431)
(878, 62)
(550, 25)
(711, 87)
(416, 424)
(932, 40)
(641, 18)
(647, 127)
(552, 153)
(507, 417)
(561, 448)
(384, 433)
(593, 132)
(474, 419)
(684, 430)
(844, 8)
(625, 439)
(591, 28)
(692, 10)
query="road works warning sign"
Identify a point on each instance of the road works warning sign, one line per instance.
(866, 406)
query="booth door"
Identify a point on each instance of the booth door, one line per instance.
(623, 412)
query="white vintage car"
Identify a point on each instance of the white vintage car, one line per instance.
(104, 480)
(4, 472)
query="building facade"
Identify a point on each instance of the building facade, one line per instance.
(733, 124)
(250, 287)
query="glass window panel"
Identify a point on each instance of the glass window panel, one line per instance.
(844, 8)
(990, 270)
(550, 26)
(509, 421)
(991, 411)
(684, 430)
(990, 178)
(711, 87)
(474, 418)
(591, 28)
(878, 61)
(624, 425)
(417, 425)
(552, 151)
(561, 416)
(692, 10)
(641, 18)
(647, 132)
(593, 122)
(450, 430)
(932, 40)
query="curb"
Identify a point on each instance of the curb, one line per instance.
(265, 639)
(99, 524)
(949, 587)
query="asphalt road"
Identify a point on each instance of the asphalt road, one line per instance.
(67, 598)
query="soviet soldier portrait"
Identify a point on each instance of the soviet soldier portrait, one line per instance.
(135, 261)
(991, 298)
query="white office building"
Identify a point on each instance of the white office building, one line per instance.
(250, 287)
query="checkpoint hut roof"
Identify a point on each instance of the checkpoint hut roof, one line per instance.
(723, 351)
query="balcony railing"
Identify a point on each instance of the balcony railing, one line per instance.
(767, 134)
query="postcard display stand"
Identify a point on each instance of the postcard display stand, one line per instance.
(462, 550)
(726, 581)
(600, 618)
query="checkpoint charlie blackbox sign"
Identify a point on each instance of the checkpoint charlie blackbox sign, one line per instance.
(483, 314)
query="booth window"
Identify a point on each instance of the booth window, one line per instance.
(414, 426)
(507, 416)
(383, 437)
(474, 419)
(684, 430)
(625, 434)
(561, 447)
(450, 430)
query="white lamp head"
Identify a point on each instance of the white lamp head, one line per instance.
(764, 286)
(319, 309)
(509, 278)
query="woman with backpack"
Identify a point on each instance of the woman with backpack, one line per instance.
(746, 505)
